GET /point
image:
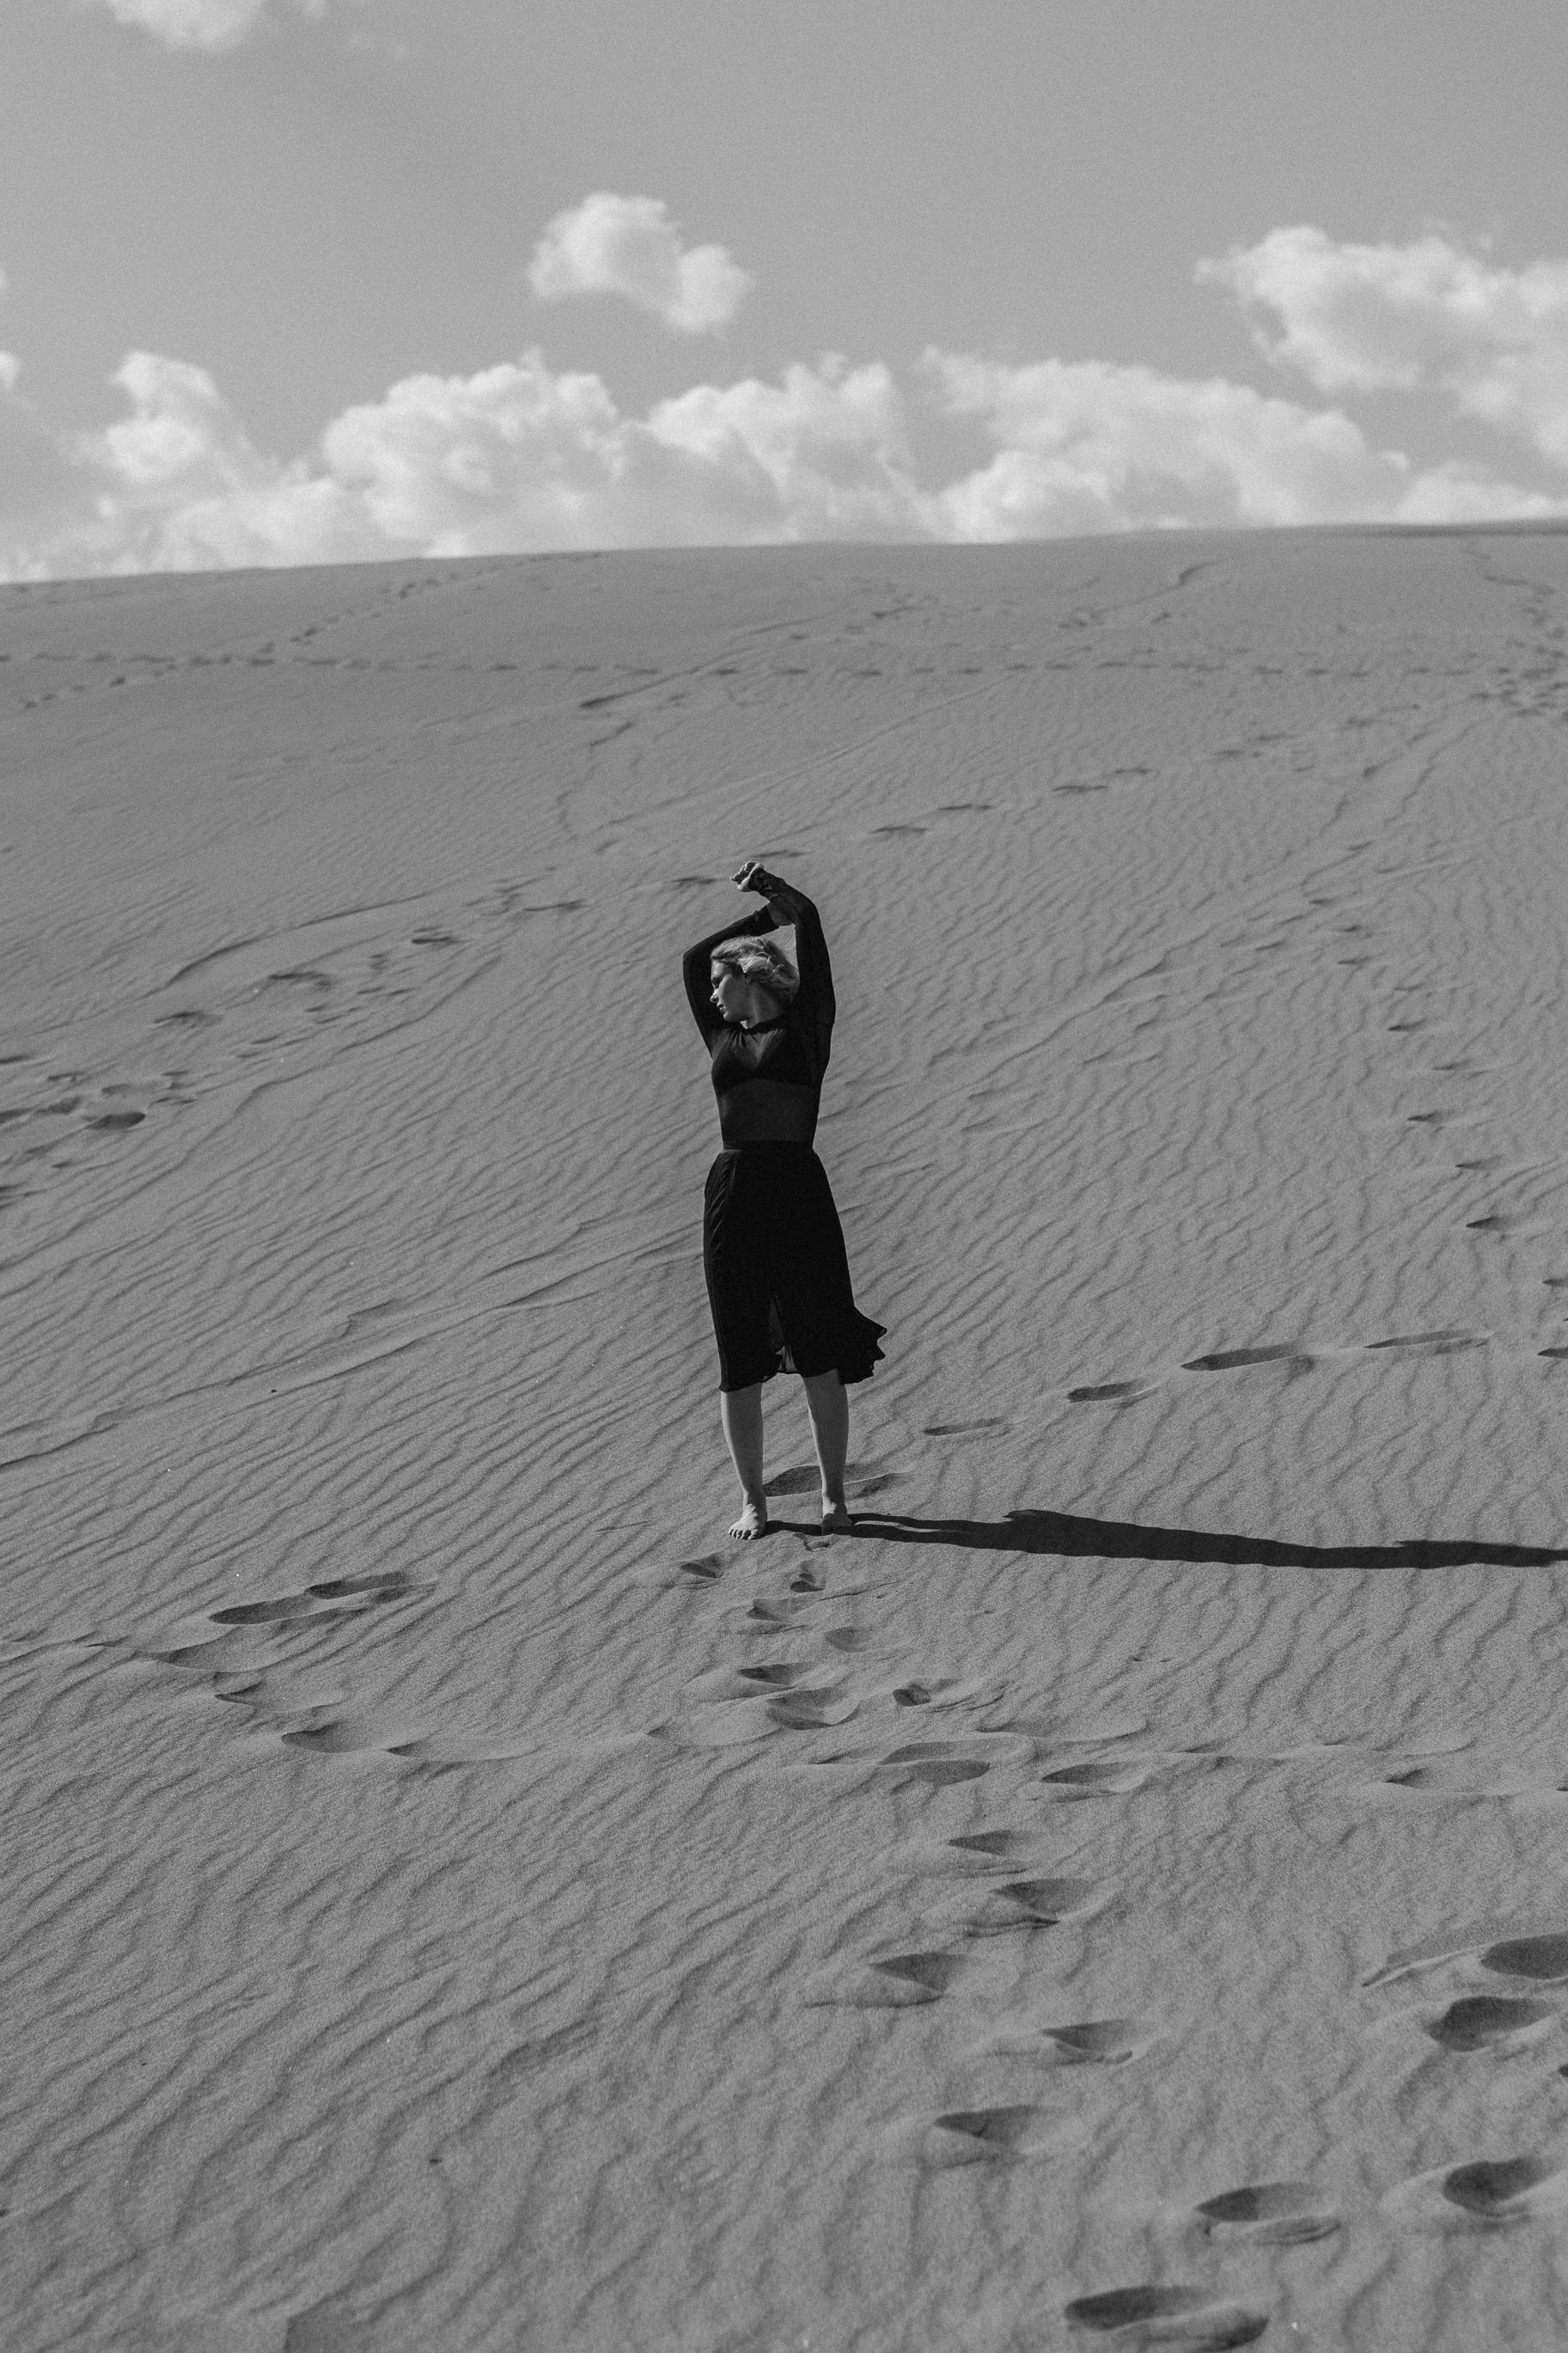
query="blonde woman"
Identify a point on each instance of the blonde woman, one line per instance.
(772, 1247)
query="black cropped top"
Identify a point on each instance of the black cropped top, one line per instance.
(768, 1080)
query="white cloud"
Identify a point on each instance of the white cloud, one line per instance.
(177, 486)
(520, 456)
(210, 25)
(523, 457)
(1426, 316)
(1090, 447)
(516, 456)
(628, 246)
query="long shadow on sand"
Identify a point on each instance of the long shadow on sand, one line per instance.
(1072, 1538)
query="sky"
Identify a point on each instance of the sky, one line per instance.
(289, 281)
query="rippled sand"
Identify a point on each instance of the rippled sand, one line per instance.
(456, 1903)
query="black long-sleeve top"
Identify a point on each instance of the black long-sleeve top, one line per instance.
(768, 1079)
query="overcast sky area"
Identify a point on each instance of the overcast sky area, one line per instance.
(292, 282)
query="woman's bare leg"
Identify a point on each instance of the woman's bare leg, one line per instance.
(827, 1402)
(741, 1411)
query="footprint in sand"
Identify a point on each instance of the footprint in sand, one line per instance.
(1089, 2043)
(1495, 2022)
(720, 1683)
(979, 1854)
(1109, 1393)
(1034, 1904)
(326, 1604)
(1001, 2136)
(385, 1585)
(1167, 2315)
(1267, 2214)
(813, 1709)
(347, 1593)
(265, 1613)
(1545, 1957)
(1100, 1777)
(944, 1692)
(996, 1850)
(767, 1614)
(727, 1712)
(349, 1736)
(1432, 1344)
(850, 1640)
(1541, 1956)
(941, 1763)
(1231, 1360)
(891, 1981)
(1490, 2193)
(693, 1576)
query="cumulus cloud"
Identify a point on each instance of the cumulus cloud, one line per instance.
(1090, 447)
(628, 246)
(1426, 316)
(177, 485)
(210, 25)
(523, 456)
(517, 457)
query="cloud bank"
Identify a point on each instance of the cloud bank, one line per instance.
(521, 457)
(628, 246)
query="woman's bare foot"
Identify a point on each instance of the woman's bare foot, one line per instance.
(752, 1522)
(836, 1519)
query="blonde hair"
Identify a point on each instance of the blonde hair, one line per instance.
(758, 960)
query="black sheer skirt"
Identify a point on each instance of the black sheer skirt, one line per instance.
(778, 1276)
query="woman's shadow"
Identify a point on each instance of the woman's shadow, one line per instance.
(1070, 1536)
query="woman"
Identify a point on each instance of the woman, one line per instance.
(773, 1248)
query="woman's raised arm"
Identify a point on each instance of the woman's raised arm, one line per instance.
(815, 1004)
(696, 966)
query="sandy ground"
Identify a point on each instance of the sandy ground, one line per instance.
(1120, 1893)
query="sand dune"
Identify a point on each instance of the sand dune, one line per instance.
(456, 1901)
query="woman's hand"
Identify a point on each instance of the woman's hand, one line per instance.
(755, 876)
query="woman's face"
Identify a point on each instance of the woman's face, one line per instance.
(732, 992)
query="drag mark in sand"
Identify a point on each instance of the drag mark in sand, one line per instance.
(1294, 1358)
(1149, 2316)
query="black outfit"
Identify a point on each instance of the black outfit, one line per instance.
(772, 1247)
